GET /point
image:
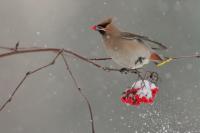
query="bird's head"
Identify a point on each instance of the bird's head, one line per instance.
(104, 27)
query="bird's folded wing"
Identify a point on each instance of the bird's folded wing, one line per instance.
(131, 36)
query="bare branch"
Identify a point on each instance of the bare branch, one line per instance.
(100, 59)
(60, 52)
(25, 77)
(80, 91)
(13, 93)
(187, 56)
(55, 50)
(152, 76)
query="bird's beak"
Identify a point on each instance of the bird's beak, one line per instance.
(94, 27)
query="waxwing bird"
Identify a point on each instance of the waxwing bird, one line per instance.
(128, 50)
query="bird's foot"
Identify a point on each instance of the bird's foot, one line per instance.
(128, 70)
(124, 70)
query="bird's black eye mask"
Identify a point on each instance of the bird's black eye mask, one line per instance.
(101, 27)
(102, 31)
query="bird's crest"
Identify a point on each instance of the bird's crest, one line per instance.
(105, 22)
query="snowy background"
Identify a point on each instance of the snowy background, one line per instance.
(48, 101)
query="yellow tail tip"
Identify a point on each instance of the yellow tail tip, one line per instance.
(164, 62)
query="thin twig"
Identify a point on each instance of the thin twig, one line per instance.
(187, 56)
(45, 66)
(81, 93)
(24, 78)
(13, 93)
(100, 59)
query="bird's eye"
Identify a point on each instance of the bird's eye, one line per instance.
(100, 28)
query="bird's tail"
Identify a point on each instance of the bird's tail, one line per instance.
(158, 60)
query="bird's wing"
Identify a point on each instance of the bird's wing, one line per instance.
(131, 36)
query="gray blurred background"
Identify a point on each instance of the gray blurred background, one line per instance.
(48, 101)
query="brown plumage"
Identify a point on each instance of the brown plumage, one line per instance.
(127, 49)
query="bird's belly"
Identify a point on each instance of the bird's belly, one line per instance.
(129, 58)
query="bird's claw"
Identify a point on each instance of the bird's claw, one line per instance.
(124, 70)
(154, 77)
